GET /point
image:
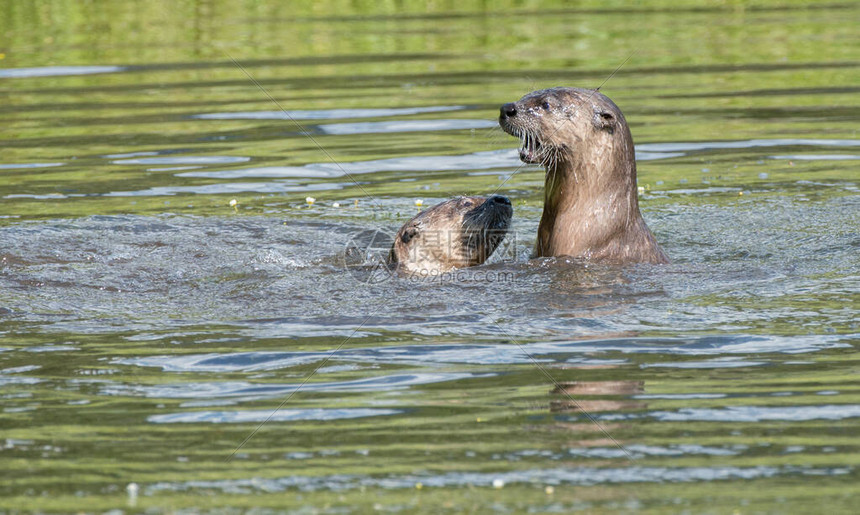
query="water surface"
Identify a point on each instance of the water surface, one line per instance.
(179, 329)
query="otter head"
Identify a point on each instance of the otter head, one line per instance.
(591, 207)
(457, 233)
(565, 124)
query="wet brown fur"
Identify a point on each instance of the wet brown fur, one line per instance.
(457, 233)
(591, 205)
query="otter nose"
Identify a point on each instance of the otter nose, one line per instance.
(508, 110)
(499, 199)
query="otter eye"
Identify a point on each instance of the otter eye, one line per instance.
(545, 105)
(467, 203)
(408, 234)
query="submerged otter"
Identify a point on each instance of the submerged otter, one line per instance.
(457, 233)
(591, 206)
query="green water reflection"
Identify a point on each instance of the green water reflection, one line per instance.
(77, 424)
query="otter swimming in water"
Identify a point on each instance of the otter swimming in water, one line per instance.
(591, 204)
(457, 233)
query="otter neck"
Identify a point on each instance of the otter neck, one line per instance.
(590, 200)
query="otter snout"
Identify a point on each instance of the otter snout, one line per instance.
(508, 110)
(497, 207)
(499, 199)
(494, 213)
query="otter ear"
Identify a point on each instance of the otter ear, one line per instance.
(604, 120)
(408, 234)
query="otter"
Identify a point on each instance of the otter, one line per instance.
(591, 204)
(460, 232)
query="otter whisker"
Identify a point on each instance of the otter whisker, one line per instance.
(495, 134)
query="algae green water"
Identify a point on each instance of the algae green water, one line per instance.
(163, 348)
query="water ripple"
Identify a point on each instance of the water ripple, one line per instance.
(640, 451)
(818, 157)
(14, 166)
(761, 413)
(283, 415)
(474, 161)
(490, 354)
(582, 476)
(259, 391)
(507, 158)
(326, 114)
(743, 144)
(57, 71)
(405, 126)
(183, 160)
